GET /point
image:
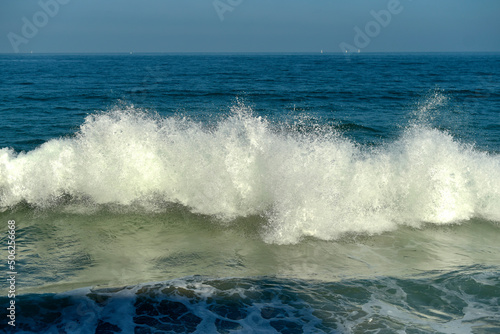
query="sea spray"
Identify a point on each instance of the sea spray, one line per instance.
(304, 184)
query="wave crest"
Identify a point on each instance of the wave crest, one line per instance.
(305, 184)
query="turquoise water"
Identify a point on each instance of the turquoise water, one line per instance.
(252, 193)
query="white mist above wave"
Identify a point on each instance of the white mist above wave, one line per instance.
(305, 184)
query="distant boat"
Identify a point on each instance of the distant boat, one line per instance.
(321, 51)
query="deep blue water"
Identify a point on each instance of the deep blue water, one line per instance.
(259, 193)
(372, 96)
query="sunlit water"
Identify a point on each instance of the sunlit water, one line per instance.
(291, 194)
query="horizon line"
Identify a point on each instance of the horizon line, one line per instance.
(321, 52)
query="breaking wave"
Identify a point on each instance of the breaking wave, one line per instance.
(315, 183)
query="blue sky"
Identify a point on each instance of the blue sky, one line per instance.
(249, 26)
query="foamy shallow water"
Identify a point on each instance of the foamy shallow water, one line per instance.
(456, 302)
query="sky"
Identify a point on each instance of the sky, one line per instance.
(108, 26)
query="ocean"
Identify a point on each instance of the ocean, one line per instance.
(250, 193)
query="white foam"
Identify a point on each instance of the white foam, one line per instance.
(311, 184)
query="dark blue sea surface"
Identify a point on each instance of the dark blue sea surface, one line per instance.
(252, 193)
(370, 96)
